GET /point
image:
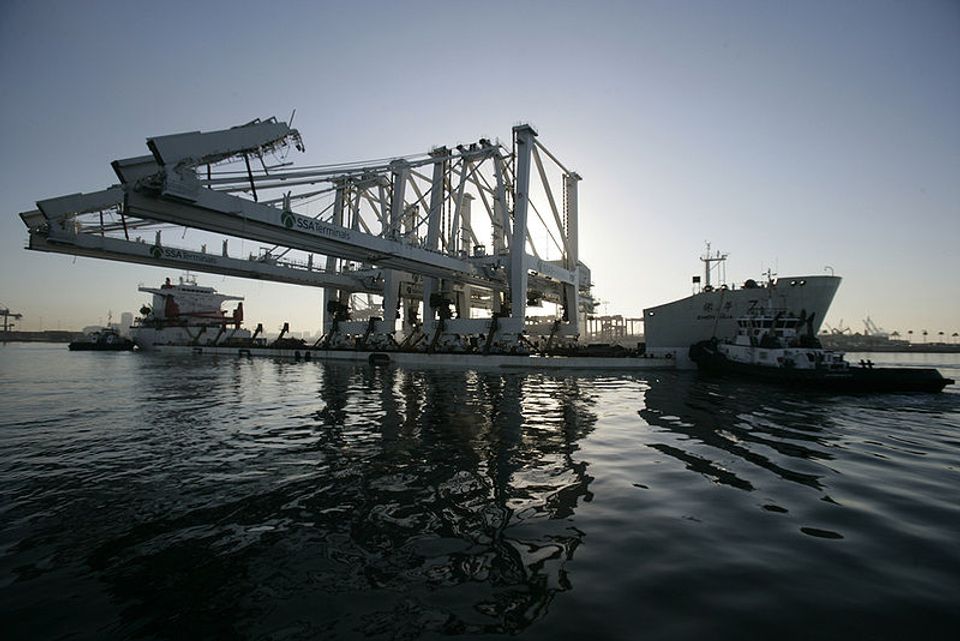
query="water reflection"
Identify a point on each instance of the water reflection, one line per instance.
(763, 427)
(250, 498)
(396, 502)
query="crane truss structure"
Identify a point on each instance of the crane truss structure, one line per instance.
(406, 230)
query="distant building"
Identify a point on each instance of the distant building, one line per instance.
(126, 320)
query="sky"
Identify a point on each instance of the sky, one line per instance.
(791, 135)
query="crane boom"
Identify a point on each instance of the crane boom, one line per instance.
(393, 228)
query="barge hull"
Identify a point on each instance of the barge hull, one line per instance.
(421, 359)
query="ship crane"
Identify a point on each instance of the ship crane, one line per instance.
(7, 315)
(871, 329)
(839, 329)
(406, 229)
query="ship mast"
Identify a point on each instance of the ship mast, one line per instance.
(708, 267)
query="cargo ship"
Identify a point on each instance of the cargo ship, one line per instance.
(712, 310)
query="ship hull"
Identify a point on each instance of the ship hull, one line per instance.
(149, 338)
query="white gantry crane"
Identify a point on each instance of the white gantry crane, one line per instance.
(405, 230)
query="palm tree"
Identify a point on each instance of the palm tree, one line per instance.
(925, 332)
(910, 335)
(941, 336)
(955, 335)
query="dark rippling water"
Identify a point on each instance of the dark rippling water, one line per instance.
(153, 497)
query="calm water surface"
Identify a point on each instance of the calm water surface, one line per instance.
(153, 497)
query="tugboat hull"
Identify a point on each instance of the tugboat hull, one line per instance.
(80, 346)
(846, 380)
(102, 341)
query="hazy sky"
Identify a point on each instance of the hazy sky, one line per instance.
(792, 135)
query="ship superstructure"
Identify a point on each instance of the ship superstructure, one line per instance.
(188, 314)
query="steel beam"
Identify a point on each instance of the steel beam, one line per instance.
(572, 257)
(155, 255)
(518, 256)
(222, 213)
(430, 283)
(200, 148)
(57, 210)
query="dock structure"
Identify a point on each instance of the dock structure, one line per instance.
(453, 245)
(613, 329)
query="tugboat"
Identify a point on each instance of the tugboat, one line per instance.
(783, 348)
(104, 340)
